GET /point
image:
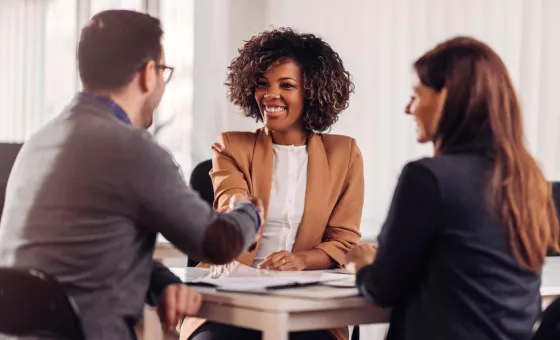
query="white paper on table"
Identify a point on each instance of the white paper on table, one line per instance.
(318, 292)
(245, 278)
(348, 282)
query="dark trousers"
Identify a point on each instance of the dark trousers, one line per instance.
(218, 331)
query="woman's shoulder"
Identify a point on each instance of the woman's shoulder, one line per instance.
(333, 141)
(237, 139)
(340, 145)
(456, 164)
(453, 170)
(239, 136)
(329, 137)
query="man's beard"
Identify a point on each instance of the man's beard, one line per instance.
(147, 113)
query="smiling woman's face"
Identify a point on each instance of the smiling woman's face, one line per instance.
(280, 96)
(426, 105)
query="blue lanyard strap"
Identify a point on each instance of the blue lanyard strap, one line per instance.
(111, 105)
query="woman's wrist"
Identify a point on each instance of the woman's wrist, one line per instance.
(315, 259)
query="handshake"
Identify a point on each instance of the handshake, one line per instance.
(257, 203)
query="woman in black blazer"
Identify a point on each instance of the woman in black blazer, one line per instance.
(461, 251)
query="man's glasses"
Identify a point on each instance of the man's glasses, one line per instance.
(167, 72)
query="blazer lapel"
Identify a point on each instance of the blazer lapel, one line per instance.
(262, 163)
(314, 219)
(261, 167)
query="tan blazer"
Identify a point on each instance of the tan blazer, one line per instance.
(334, 197)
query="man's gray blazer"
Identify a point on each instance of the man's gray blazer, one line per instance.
(85, 200)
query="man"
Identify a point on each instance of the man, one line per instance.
(90, 191)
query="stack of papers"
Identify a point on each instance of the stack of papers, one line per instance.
(247, 279)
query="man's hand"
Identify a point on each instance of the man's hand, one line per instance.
(241, 198)
(283, 260)
(257, 202)
(360, 256)
(177, 302)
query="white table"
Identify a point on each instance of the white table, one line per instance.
(276, 316)
(550, 286)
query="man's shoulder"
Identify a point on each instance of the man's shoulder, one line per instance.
(84, 129)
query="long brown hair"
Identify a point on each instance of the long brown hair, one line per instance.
(481, 102)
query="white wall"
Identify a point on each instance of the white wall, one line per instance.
(220, 28)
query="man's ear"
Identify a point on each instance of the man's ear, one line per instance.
(148, 77)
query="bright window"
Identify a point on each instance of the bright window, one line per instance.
(102, 5)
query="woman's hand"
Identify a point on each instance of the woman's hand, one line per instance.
(283, 260)
(360, 256)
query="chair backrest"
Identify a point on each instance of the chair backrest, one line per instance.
(8, 154)
(201, 182)
(32, 303)
(556, 198)
(549, 327)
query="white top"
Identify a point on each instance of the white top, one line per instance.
(287, 199)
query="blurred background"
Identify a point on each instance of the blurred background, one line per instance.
(377, 39)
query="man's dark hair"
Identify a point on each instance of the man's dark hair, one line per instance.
(115, 45)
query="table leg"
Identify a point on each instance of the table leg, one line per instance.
(276, 327)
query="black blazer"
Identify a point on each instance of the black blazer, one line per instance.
(444, 263)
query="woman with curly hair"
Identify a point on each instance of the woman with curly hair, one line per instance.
(311, 183)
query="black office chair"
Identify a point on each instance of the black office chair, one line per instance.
(355, 333)
(550, 323)
(556, 194)
(556, 197)
(201, 182)
(34, 304)
(8, 154)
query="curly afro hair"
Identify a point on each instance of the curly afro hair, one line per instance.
(327, 84)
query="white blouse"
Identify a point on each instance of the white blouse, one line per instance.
(287, 199)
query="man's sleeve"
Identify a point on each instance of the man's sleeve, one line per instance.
(168, 206)
(160, 278)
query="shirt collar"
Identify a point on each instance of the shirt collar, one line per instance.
(111, 105)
